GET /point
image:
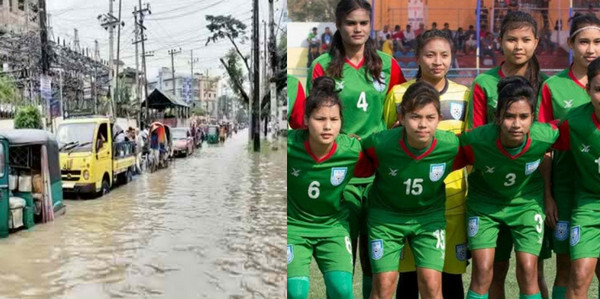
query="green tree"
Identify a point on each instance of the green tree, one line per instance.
(8, 92)
(28, 117)
(312, 10)
(123, 103)
(198, 111)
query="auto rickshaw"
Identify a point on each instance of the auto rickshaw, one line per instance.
(213, 134)
(160, 145)
(30, 177)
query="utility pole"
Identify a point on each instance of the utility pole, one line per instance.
(192, 61)
(255, 105)
(141, 12)
(137, 66)
(116, 98)
(109, 22)
(272, 83)
(173, 52)
(45, 59)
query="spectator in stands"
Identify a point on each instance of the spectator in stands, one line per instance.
(388, 45)
(381, 35)
(591, 10)
(488, 47)
(398, 38)
(409, 38)
(459, 39)
(470, 40)
(326, 39)
(434, 26)
(448, 31)
(513, 5)
(313, 45)
(546, 45)
(420, 30)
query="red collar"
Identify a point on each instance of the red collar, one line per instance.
(312, 155)
(572, 76)
(356, 66)
(524, 150)
(595, 120)
(423, 155)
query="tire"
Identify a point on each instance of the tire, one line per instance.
(128, 176)
(105, 188)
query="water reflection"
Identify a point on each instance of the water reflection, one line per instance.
(211, 226)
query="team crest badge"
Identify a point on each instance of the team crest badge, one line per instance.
(436, 171)
(338, 174)
(531, 166)
(461, 252)
(473, 226)
(376, 249)
(456, 110)
(575, 235)
(562, 230)
(380, 86)
(290, 254)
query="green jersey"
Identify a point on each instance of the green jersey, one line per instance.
(361, 98)
(315, 186)
(295, 95)
(484, 97)
(408, 182)
(580, 132)
(502, 178)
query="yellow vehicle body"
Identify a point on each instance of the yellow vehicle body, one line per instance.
(90, 159)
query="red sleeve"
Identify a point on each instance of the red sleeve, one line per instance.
(367, 163)
(479, 113)
(317, 72)
(396, 76)
(463, 158)
(297, 114)
(364, 167)
(563, 143)
(545, 113)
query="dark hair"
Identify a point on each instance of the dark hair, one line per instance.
(434, 24)
(322, 93)
(372, 61)
(427, 36)
(519, 19)
(513, 89)
(417, 96)
(593, 70)
(580, 21)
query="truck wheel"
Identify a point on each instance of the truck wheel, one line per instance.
(128, 176)
(105, 188)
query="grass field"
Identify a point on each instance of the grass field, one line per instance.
(317, 287)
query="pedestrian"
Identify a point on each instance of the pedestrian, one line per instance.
(139, 146)
(321, 162)
(406, 202)
(326, 38)
(363, 77)
(434, 54)
(559, 95)
(313, 45)
(506, 189)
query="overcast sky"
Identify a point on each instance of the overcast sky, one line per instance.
(172, 25)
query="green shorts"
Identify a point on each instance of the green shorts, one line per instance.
(331, 254)
(525, 224)
(585, 234)
(504, 245)
(564, 204)
(354, 197)
(388, 231)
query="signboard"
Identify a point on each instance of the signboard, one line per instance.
(415, 13)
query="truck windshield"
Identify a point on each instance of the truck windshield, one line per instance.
(76, 137)
(179, 134)
(212, 130)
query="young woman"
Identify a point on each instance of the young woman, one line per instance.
(505, 186)
(363, 77)
(434, 54)
(406, 200)
(518, 39)
(295, 96)
(560, 94)
(580, 132)
(320, 164)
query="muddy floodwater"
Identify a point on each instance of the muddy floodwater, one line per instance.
(210, 226)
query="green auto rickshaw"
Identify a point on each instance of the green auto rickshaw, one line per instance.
(30, 178)
(213, 134)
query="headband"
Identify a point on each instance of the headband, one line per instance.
(584, 28)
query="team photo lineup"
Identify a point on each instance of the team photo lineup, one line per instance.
(415, 185)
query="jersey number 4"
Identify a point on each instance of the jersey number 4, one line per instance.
(362, 102)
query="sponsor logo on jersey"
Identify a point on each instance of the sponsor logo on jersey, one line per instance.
(290, 254)
(295, 172)
(585, 148)
(436, 171)
(393, 172)
(376, 249)
(489, 169)
(531, 166)
(380, 85)
(339, 85)
(562, 230)
(338, 174)
(456, 110)
(461, 252)
(473, 226)
(575, 235)
(568, 103)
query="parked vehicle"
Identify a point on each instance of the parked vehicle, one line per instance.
(94, 155)
(183, 142)
(213, 134)
(29, 178)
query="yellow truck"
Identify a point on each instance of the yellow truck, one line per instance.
(94, 155)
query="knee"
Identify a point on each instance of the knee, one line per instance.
(384, 286)
(579, 277)
(527, 267)
(297, 287)
(339, 284)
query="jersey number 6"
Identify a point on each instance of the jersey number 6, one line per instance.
(313, 190)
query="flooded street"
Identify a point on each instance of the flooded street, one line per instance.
(210, 226)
